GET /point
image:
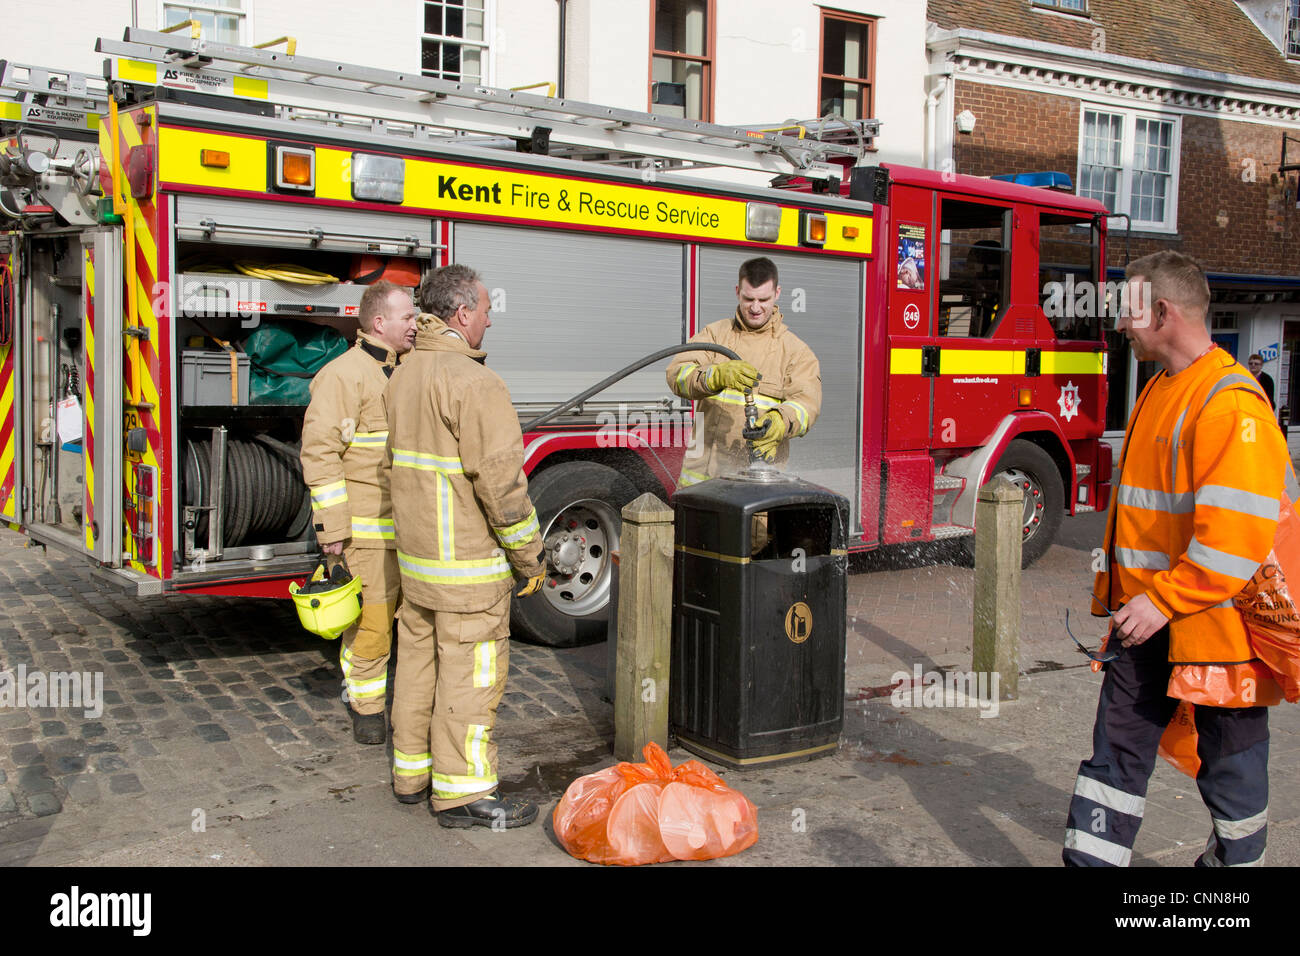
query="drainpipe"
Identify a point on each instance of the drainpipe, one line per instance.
(564, 17)
(934, 96)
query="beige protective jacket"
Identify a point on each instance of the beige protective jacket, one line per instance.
(465, 525)
(343, 436)
(791, 383)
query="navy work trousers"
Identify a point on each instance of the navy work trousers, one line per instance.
(1110, 791)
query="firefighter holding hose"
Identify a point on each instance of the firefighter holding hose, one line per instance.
(782, 372)
(344, 434)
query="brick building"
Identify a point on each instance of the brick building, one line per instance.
(1176, 113)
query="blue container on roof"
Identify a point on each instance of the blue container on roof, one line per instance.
(1045, 180)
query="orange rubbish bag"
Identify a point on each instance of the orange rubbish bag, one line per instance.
(1269, 607)
(652, 812)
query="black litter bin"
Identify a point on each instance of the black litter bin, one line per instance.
(759, 604)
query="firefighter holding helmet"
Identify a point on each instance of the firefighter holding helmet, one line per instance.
(781, 370)
(465, 528)
(343, 436)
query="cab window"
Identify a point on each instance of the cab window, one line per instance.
(974, 268)
(1070, 292)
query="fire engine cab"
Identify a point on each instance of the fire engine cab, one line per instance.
(156, 224)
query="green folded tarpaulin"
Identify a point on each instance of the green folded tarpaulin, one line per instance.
(283, 358)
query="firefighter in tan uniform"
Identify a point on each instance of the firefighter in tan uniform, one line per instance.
(788, 394)
(465, 529)
(343, 437)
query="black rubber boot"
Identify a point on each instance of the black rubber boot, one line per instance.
(368, 728)
(494, 810)
(412, 798)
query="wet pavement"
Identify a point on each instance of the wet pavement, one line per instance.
(223, 739)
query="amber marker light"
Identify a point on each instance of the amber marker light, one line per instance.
(216, 158)
(295, 168)
(849, 232)
(1026, 397)
(812, 228)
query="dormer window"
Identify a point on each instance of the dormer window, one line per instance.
(1066, 6)
(1293, 28)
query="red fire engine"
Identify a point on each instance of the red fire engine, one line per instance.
(156, 220)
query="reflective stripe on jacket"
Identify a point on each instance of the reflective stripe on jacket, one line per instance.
(344, 432)
(464, 523)
(791, 383)
(1197, 505)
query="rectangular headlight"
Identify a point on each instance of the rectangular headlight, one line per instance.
(378, 178)
(762, 222)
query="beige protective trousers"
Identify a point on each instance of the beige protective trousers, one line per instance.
(364, 652)
(451, 673)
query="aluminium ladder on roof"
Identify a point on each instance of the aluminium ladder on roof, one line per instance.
(41, 97)
(414, 105)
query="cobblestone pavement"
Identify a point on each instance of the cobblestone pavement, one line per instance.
(223, 740)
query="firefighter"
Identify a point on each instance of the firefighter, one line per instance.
(343, 436)
(465, 527)
(1196, 510)
(788, 394)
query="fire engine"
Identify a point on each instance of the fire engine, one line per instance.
(155, 219)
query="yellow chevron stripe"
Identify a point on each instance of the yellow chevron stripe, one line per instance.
(89, 396)
(6, 396)
(130, 135)
(144, 239)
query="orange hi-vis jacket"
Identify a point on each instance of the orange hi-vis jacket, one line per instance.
(1203, 466)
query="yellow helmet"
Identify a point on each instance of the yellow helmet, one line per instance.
(328, 605)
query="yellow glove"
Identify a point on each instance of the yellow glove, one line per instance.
(532, 585)
(733, 374)
(771, 440)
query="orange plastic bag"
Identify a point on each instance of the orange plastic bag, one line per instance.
(1178, 743)
(1268, 604)
(634, 813)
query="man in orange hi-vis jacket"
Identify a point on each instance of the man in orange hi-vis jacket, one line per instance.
(1193, 518)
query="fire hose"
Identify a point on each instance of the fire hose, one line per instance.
(751, 410)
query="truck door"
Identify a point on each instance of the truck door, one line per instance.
(974, 378)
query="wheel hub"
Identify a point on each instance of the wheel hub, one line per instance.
(579, 542)
(1034, 499)
(567, 553)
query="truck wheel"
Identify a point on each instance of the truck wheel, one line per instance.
(1033, 471)
(579, 509)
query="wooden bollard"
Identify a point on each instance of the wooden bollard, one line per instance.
(645, 599)
(999, 530)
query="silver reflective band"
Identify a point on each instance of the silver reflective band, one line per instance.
(1141, 560)
(1240, 829)
(1108, 796)
(1209, 859)
(1111, 853)
(1220, 562)
(1234, 499)
(1153, 500)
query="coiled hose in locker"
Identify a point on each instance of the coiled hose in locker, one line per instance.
(263, 497)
